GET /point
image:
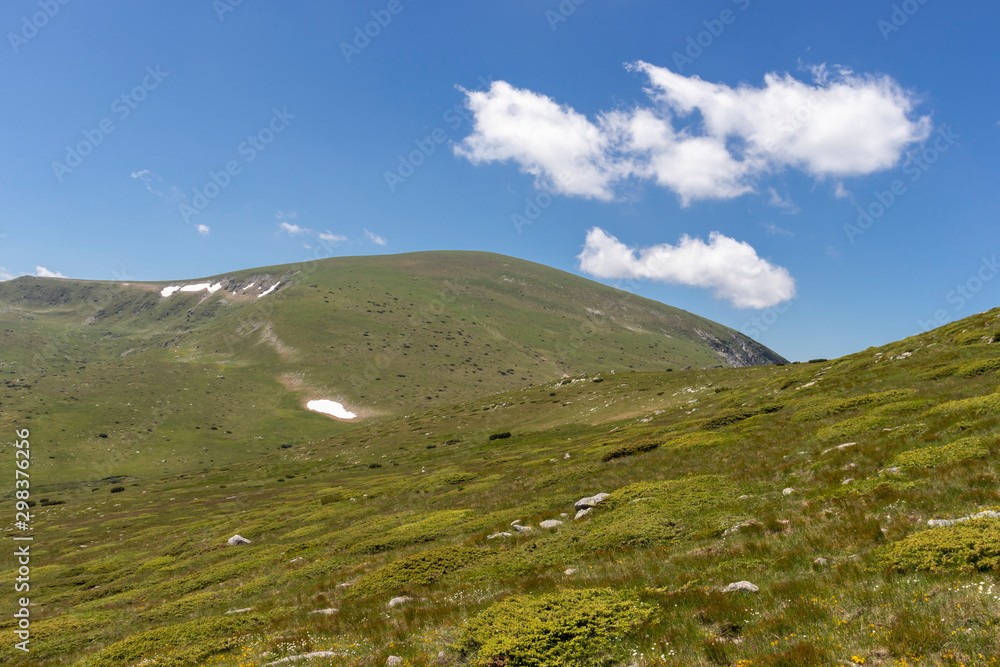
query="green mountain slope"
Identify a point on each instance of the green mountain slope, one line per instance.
(122, 380)
(820, 484)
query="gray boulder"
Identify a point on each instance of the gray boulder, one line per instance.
(741, 587)
(237, 540)
(582, 513)
(944, 523)
(304, 656)
(496, 535)
(395, 602)
(394, 660)
(590, 501)
(551, 523)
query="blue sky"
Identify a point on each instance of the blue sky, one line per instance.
(715, 156)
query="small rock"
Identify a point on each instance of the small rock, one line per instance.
(848, 480)
(892, 470)
(564, 514)
(522, 529)
(325, 612)
(582, 513)
(551, 523)
(394, 660)
(304, 656)
(345, 584)
(569, 571)
(741, 587)
(237, 540)
(589, 501)
(744, 497)
(239, 611)
(821, 561)
(496, 535)
(939, 523)
(515, 522)
(734, 529)
(567, 456)
(840, 447)
(787, 492)
(395, 602)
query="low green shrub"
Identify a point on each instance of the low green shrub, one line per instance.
(629, 445)
(972, 337)
(573, 628)
(831, 407)
(422, 569)
(739, 414)
(971, 369)
(650, 513)
(929, 457)
(971, 546)
(977, 405)
(385, 537)
(185, 643)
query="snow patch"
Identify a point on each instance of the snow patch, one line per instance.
(331, 408)
(200, 287)
(271, 289)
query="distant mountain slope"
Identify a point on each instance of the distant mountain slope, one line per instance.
(222, 366)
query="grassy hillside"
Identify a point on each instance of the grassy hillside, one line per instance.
(813, 482)
(120, 380)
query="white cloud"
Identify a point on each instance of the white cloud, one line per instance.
(700, 139)
(784, 203)
(375, 238)
(330, 237)
(563, 150)
(204, 230)
(42, 272)
(729, 267)
(4, 275)
(840, 192)
(292, 229)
